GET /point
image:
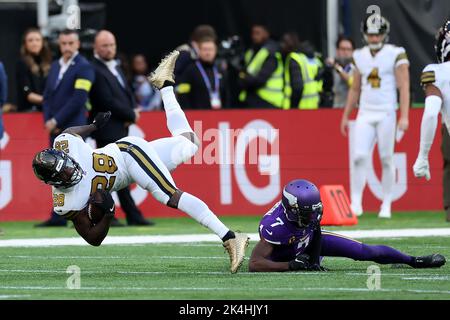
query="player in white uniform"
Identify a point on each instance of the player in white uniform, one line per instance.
(380, 69)
(435, 80)
(76, 171)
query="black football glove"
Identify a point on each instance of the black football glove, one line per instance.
(106, 203)
(101, 119)
(301, 262)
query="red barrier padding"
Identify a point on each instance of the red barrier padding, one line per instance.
(259, 151)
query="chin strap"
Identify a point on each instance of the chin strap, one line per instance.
(376, 46)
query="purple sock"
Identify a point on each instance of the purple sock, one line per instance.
(335, 245)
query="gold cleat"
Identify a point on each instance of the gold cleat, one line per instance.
(165, 69)
(236, 249)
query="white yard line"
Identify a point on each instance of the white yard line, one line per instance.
(384, 273)
(116, 257)
(121, 289)
(32, 271)
(437, 278)
(403, 276)
(14, 296)
(196, 238)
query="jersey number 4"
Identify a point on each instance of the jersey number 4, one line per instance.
(374, 79)
(103, 164)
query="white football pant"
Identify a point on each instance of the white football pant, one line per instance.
(371, 127)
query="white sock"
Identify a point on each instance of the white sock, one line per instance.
(198, 210)
(429, 124)
(176, 119)
(387, 180)
(359, 181)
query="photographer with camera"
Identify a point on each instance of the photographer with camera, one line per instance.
(342, 70)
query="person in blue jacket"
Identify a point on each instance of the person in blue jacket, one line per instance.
(66, 93)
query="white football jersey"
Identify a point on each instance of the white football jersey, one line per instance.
(439, 75)
(103, 168)
(378, 84)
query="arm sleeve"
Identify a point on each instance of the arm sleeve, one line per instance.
(77, 101)
(102, 96)
(267, 69)
(45, 107)
(429, 124)
(225, 90)
(23, 82)
(430, 115)
(355, 60)
(3, 85)
(315, 246)
(295, 73)
(184, 89)
(182, 63)
(1, 124)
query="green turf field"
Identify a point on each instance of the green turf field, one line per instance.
(200, 270)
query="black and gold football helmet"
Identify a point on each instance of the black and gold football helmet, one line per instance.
(442, 46)
(375, 24)
(57, 168)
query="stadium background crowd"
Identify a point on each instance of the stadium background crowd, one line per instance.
(290, 70)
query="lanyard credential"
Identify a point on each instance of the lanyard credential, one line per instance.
(213, 94)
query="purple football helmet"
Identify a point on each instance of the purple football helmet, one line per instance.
(301, 202)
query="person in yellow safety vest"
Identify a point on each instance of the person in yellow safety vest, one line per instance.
(309, 68)
(293, 80)
(261, 81)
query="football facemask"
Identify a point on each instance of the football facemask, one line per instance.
(57, 168)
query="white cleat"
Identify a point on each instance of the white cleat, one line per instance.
(385, 212)
(357, 209)
(421, 169)
(164, 71)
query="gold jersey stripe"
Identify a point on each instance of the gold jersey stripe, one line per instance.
(149, 166)
(428, 73)
(144, 163)
(428, 80)
(401, 56)
(428, 77)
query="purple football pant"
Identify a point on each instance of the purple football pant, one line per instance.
(335, 245)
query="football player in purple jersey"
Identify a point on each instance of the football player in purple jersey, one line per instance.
(291, 238)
